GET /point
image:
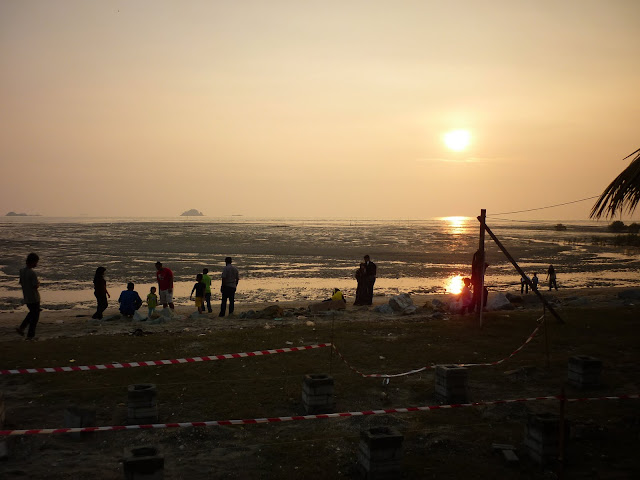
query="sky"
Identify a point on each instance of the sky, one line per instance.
(332, 109)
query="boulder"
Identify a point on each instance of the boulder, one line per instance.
(272, 311)
(384, 309)
(498, 301)
(410, 310)
(330, 305)
(514, 298)
(400, 302)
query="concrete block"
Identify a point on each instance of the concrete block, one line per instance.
(4, 450)
(584, 371)
(380, 453)
(542, 436)
(141, 392)
(76, 417)
(143, 462)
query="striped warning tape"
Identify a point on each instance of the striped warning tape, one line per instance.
(214, 423)
(150, 363)
(430, 367)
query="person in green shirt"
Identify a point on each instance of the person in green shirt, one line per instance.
(206, 279)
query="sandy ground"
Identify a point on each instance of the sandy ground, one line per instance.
(437, 445)
(78, 322)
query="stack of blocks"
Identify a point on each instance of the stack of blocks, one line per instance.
(317, 394)
(584, 371)
(541, 437)
(142, 404)
(143, 463)
(380, 453)
(451, 384)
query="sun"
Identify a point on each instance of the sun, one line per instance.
(457, 140)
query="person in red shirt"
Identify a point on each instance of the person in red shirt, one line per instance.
(165, 285)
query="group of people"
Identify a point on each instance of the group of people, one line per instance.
(551, 278)
(130, 300)
(366, 278)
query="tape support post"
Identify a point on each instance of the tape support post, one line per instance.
(215, 423)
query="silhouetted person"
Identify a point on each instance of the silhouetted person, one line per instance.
(206, 279)
(230, 279)
(477, 275)
(370, 280)
(551, 276)
(361, 288)
(101, 293)
(31, 296)
(165, 285)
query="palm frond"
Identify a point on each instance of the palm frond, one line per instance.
(623, 194)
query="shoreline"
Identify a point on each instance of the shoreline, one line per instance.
(78, 322)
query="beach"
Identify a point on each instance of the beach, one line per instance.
(598, 322)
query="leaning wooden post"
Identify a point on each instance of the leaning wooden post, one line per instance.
(481, 218)
(523, 275)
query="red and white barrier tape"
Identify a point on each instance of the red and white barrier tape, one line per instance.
(430, 367)
(215, 423)
(150, 363)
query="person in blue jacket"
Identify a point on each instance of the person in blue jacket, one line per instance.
(129, 301)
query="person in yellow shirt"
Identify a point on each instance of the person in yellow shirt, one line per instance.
(337, 295)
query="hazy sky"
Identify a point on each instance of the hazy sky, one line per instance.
(315, 108)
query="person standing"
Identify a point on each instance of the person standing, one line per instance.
(152, 301)
(361, 288)
(199, 288)
(534, 282)
(551, 276)
(230, 279)
(477, 281)
(165, 285)
(31, 294)
(100, 291)
(370, 279)
(206, 279)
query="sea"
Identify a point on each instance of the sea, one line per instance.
(285, 259)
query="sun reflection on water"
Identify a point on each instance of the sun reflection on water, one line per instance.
(456, 225)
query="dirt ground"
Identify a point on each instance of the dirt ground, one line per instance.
(452, 443)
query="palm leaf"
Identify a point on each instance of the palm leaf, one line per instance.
(621, 194)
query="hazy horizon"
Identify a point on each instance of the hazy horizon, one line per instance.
(315, 110)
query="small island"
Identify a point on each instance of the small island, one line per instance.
(14, 214)
(192, 213)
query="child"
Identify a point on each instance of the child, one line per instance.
(199, 288)
(129, 301)
(534, 281)
(465, 296)
(152, 301)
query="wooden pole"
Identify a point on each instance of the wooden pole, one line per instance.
(521, 272)
(482, 218)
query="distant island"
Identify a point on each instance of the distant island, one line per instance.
(14, 214)
(192, 213)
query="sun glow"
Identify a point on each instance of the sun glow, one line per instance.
(456, 225)
(454, 285)
(457, 140)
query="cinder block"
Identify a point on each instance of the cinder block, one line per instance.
(542, 436)
(76, 417)
(317, 394)
(380, 453)
(141, 392)
(143, 462)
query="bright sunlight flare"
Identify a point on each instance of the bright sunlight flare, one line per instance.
(454, 284)
(457, 140)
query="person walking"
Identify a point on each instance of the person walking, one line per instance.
(206, 279)
(165, 285)
(101, 293)
(551, 276)
(370, 279)
(230, 279)
(199, 288)
(31, 295)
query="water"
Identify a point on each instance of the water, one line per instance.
(293, 259)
